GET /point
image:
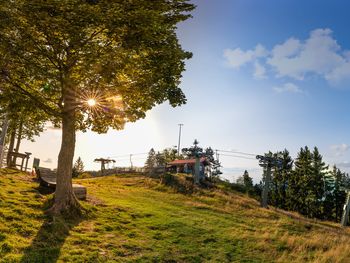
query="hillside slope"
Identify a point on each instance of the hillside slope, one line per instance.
(136, 219)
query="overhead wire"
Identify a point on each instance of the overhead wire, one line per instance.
(127, 155)
(237, 156)
(237, 152)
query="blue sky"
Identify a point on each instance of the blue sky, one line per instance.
(265, 75)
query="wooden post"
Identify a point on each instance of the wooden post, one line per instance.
(27, 159)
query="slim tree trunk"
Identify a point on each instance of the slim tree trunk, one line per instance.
(19, 138)
(11, 146)
(65, 201)
(3, 138)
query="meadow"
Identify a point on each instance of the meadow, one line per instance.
(132, 218)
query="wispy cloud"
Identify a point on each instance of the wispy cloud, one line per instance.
(319, 54)
(339, 149)
(345, 164)
(288, 87)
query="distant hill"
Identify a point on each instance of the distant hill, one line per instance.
(137, 219)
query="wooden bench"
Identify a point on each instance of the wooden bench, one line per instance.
(47, 178)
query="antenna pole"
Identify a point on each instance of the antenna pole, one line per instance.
(178, 145)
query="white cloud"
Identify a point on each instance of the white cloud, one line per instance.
(237, 57)
(260, 51)
(339, 74)
(260, 71)
(319, 55)
(288, 87)
(339, 149)
(289, 48)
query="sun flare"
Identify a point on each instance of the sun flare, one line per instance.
(91, 102)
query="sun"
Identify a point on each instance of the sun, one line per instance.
(91, 102)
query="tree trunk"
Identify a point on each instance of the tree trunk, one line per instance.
(3, 138)
(19, 138)
(65, 201)
(11, 146)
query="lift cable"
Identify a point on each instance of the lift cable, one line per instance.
(238, 152)
(237, 156)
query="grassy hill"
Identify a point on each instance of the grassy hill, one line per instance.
(137, 219)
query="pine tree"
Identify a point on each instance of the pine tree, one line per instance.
(316, 185)
(298, 184)
(280, 177)
(160, 159)
(329, 203)
(151, 161)
(247, 180)
(240, 180)
(339, 193)
(78, 168)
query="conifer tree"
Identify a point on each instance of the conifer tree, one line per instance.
(328, 204)
(78, 168)
(298, 184)
(151, 161)
(280, 177)
(247, 180)
(160, 159)
(339, 193)
(316, 185)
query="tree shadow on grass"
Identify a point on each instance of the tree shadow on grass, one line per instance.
(47, 244)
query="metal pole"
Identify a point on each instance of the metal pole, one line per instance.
(2, 139)
(196, 171)
(178, 145)
(131, 162)
(265, 191)
(345, 217)
(102, 167)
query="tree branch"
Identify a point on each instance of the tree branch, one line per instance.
(46, 108)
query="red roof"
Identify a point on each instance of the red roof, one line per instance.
(187, 161)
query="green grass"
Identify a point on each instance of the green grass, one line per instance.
(137, 219)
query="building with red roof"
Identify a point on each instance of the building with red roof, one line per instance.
(187, 165)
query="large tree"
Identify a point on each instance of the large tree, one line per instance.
(124, 54)
(298, 197)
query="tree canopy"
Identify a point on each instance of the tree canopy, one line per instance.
(123, 54)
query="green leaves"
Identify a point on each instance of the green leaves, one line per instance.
(58, 50)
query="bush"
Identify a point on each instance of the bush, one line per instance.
(180, 183)
(85, 175)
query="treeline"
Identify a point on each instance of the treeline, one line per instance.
(307, 185)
